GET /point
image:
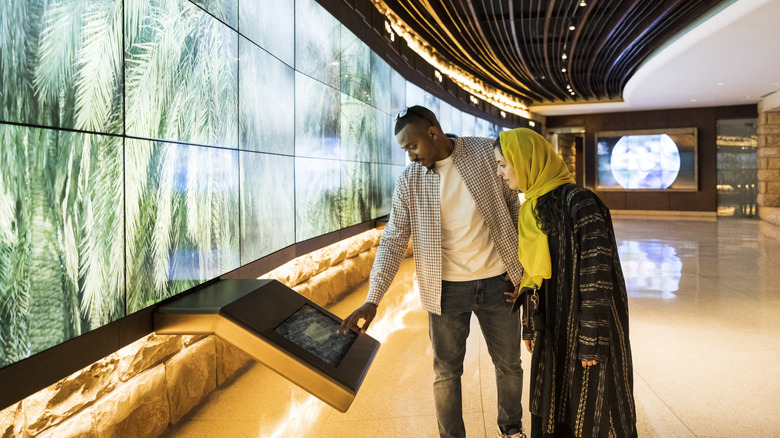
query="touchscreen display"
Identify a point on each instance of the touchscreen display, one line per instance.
(316, 333)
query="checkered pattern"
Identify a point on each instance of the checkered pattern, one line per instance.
(416, 213)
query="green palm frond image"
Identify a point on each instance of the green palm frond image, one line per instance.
(355, 193)
(271, 25)
(184, 228)
(266, 106)
(181, 74)
(383, 177)
(120, 128)
(60, 66)
(60, 212)
(267, 204)
(317, 197)
(355, 67)
(381, 85)
(99, 77)
(225, 10)
(60, 63)
(317, 45)
(320, 216)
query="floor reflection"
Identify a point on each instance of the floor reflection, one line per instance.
(704, 319)
(395, 310)
(303, 410)
(652, 269)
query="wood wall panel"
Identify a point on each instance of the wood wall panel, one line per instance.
(704, 119)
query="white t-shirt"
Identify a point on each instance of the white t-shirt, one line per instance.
(467, 251)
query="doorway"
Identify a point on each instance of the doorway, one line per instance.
(737, 168)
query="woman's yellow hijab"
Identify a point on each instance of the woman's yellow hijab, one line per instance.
(539, 170)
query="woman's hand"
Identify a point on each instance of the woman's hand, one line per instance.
(529, 345)
(588, 363)
(512, 296)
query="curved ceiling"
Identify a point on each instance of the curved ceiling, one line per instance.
(573, 56)
(729, 59)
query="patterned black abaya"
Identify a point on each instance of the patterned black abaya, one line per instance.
(585, 307)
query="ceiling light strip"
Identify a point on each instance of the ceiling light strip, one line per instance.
(498, 35)
(515, 31)
(430, 21)
(458, 75)
(467, 49)
(510, 69)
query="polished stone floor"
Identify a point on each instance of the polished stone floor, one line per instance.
(705, 333)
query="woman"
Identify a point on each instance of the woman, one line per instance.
(581, 371)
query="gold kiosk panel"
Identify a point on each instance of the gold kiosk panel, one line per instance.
(281, 329)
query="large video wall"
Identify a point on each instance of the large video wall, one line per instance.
(148, 146)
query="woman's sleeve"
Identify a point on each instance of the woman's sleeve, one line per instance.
(595, 252)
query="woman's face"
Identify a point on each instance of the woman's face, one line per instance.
(505, 171)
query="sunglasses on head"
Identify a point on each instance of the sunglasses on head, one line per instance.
(401, 114)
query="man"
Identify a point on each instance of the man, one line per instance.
(462, 220)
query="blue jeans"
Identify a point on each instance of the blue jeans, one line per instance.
(448, 333)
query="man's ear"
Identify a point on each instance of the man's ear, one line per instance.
(433, 132)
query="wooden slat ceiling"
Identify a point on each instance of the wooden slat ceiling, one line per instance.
(546, 51)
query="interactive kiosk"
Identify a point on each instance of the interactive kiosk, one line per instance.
(279, 328)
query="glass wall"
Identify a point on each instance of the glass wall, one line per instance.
(738, 168)
(151, 145)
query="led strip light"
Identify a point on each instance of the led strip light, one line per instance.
(464, 79)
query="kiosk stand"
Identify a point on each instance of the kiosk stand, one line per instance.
(279, 328)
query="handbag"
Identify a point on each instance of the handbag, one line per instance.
(525, 300)
(528, 298)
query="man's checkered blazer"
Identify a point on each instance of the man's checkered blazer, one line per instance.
(416, 213)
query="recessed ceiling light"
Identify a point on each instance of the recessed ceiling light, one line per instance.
(721, 83)
(693, 100)
(563, 70)
(564, 56)
(572, 27)
(583, 4)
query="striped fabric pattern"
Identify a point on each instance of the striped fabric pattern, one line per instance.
(586, 308)
(416, 214)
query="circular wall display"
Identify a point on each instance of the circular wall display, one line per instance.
(645, 162)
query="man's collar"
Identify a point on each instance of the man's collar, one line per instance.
(457, 150)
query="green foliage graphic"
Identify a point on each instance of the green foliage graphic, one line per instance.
(61, 63)
(182, 218)
(267, 107)
(121, 179)
(61, 237)
(180, 74)
(267, 204)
